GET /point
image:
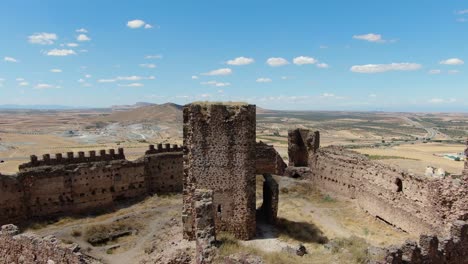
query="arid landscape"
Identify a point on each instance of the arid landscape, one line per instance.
(410, 140)
(332, 228)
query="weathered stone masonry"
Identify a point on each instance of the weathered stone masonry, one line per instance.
(59, 186)
(219, 155)
(416, 204)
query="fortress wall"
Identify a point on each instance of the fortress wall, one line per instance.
(416, 204)
(11, 203)
(220, 156)
(92, 187)
(67, 188)
(128, 180)
(164, 172)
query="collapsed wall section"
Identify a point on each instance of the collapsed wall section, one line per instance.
(452, 249)
(302, 145)
(219, 155)
(268, 160)
(29, 248)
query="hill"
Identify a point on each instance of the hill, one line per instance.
(168, 112)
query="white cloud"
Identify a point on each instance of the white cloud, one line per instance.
(372, 95)
(452, 61)
(134, 78)
(153, 56)
(275, 62)
(371, 37)
(377, 68)
(44, 86)
(56, 70)
(83, 37)
(60, 52)
(328, 95)
(83, 50)
(240, 61)
(19, 79)
(42, 38)
(23, 84)
(10, 59)
(441, 100)
(216, 84)
(81, 30)
(462, 12)
(435, 72)
(301, 60)
(263, 80)
(148, 65)
(194, 77)
(88, 76)
(323, 65)
(222, 71)
(323, 47)
(106, 80)
(453, 71)
(138, 23)
(462, 20)
(73, 45)
(81, 81)
(132, 85)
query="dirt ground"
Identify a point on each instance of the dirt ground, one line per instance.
(306, 216)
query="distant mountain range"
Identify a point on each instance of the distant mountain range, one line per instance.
(39, 107)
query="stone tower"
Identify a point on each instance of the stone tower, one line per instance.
(219, 155)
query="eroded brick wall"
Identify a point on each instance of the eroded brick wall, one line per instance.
(219, 155)
(164, 169)
(268, 160)
(45, 188)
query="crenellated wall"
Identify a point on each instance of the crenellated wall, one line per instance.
(414, 203)
(53, 187)
(71, 158)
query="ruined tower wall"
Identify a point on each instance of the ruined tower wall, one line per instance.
(416, 204)
(268, 160)
(43, 191)
(220, 156)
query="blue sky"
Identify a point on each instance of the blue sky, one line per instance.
(317, 55)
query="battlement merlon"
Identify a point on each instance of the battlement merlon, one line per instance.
(71, 158)
(166, 148)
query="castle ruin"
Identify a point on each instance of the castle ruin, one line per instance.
(219, 155)
(413, 203)
(49, 187)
